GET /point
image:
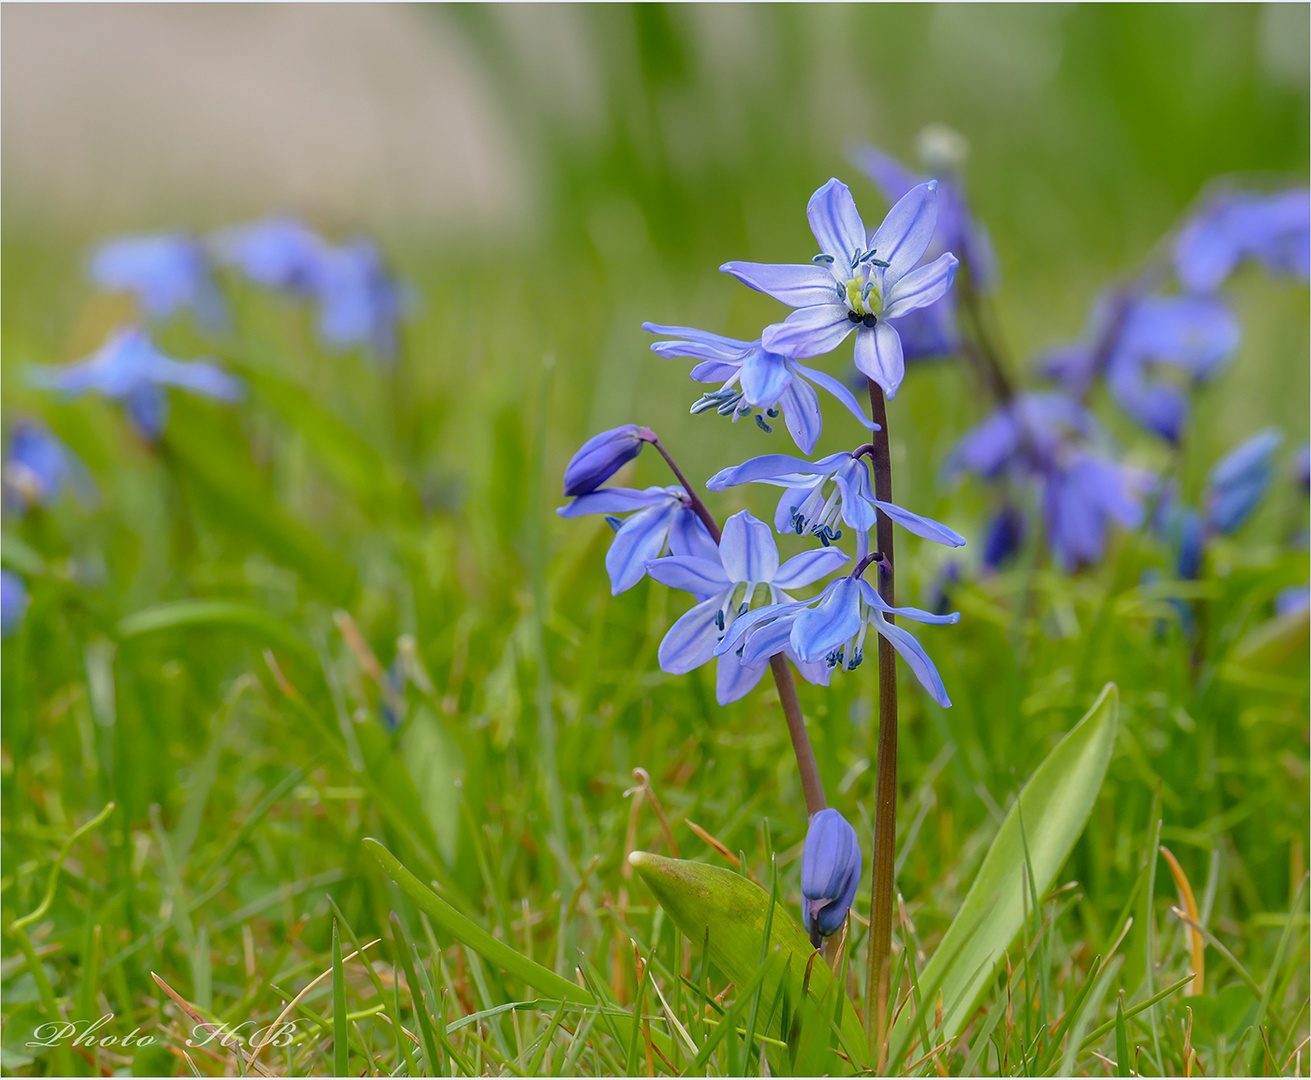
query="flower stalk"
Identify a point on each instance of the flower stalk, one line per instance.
(885, 797)
(811, 785)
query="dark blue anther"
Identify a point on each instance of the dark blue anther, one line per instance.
(719, 620)
(772, 413)
(760, 423)
(822, 260)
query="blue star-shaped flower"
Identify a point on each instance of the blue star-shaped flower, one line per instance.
(165, 273)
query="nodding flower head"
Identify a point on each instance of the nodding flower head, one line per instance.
(602, 456)
(1239, 481)
(830, 874)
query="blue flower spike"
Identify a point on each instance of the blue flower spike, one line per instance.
(857, 282)
(830, 874)
(602, 456)
(128, 368)
(755, 382)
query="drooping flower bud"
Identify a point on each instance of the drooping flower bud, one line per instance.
(830, 874)
(602, 456)
(1239, 481)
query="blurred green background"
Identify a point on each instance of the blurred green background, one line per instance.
(548, 177)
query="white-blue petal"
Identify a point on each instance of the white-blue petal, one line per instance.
(691, 641)
(879, 356)
(818, 631)
(920, 287)
(921, 526)
(734, 680)
(805, 422)
(839, 391)
(836, 223)
(639, 539)
(809, 567)
(905, 233)
(775, 469)
(707, 346)
(796, 284)
(615, 501)
(765, 377)
(913, 653)
(688, 535)
(809, 331)
(747, 549)
(701, 577)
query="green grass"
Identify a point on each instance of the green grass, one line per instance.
(185, 658)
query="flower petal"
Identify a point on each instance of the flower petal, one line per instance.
(714, 371)
(615, 501)
(818, 631)
(775, 469)
(639, 539)
(816, 673)
(688, 535)
(836, 223)
(874, 600)
(805, 422)
(916, 658)
(691, 641)
(921, 287)
(796, 284)
(702, 577)
(734, 679)
(905, 233)
(878, 355)
(857, 499)
(809, 567)
(764, 378)
(747, 549)
(839, 391)
(809, 331)
(921, 526)
(698, 344)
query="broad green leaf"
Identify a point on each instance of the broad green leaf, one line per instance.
(700, 897)
(1055, 804)
(220, 614)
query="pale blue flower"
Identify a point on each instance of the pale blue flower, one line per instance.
(662, 520)
(830, 874)
(165, 273)
(278, 253)
(1293, 599)
(810, 505)
(755, 378)
(1273, 229)
(1239, 481)
(37, 467)
(359, 303)
(131, 370)
(857, 282)
(832, 628)
(1081, 495)
(1132, 337)
(13, 603)
(1021, 435)
(745, 569)
(602, 456)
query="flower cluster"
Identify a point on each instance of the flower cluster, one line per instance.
(745, 613)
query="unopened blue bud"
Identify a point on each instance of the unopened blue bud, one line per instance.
(830, 874)
(602, 456)
(1240, 480)
(1188, 562)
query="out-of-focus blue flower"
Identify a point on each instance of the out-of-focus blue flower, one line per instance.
(129, 369)
(1273, 229)
(1302, 467)
(37, 467)
(1005, 536)
(857, 282)
(1239, 481)
(1024, 434)
(1083, 494)
(832, 627)
(755, 378)
(662, 519)
(1293, 599)
(602, 456)
(277, 253)
(360, 304)
(746, 564)
(809, 506)
(1191, 544)
(957, 230)
(1131, 336)
(830, 874)
(165, 273)
(13, 602)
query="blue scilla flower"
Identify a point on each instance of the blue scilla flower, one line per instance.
(1082, 494)
(755, 378)
(1020, 435)
(37, 467)
(359, 303)
(830, 874)
(1275, 230)
(832, 628)
(277, 252)
(1293, 599)
(602, 456)
(857, 282)
(13, 603)
(1132, 337)
(745, 569)
(131, 370)
(820, 494)
(1239, 481)
(662, 520)
(165, 273)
